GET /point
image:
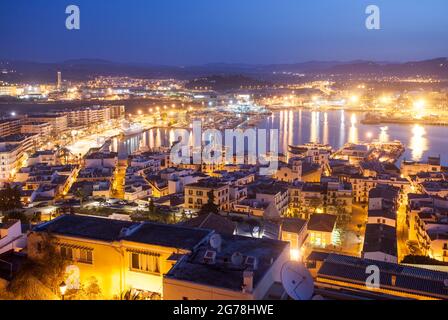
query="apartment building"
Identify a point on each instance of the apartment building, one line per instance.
(9, 126)
(120, 255)
(329, 196)
(196, 194)
(362, 185)
(87, 116)
(13, 154)
(58, 122)
(410, 168)
(44, 129)
(430, 230)
(241, 268)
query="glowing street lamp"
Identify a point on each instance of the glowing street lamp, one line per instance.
(62, 289)
(139, 112)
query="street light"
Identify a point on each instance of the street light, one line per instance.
(62, 289)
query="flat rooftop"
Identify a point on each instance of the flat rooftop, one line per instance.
(224, 274)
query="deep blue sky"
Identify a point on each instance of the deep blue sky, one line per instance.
(185, 32)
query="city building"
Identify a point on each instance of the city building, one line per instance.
(10, 126)
(44, 129)
(120, 255)
(411, 168)
(380, 243)
(294, 231)
(240, 268)
(342, 277)
(59, 123)
(13, 154)
(321, 229)
(197, 194)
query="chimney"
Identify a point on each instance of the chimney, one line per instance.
(248, 281)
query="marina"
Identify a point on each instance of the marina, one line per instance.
(333, 128)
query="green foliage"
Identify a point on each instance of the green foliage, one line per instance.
(10, 199)
(81, 195)
(16, 215)
(87, 291)
(40, 279)
(210, 206)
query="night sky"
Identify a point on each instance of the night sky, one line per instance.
(187, 32)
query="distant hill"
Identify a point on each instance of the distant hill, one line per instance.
(83, 69)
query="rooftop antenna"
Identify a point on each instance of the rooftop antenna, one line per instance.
(216, 241)
(297, 281)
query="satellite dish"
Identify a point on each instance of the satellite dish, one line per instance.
(237, 258)
(297, 281)
(215, 241)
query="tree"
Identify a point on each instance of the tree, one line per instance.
(10, 199)
(81, 195)
(210, 206)
(40, 279)
(17, 215)
(151, 207)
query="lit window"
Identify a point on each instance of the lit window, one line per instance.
(145, 262)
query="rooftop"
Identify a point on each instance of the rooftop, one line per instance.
(207, 183)
(407, 279)
(380, 238)
(109, 230)
(322, 222)
(212, 221)
(293, 225)
(223, 273)
(166, 235)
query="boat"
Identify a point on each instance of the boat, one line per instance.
(128, 128)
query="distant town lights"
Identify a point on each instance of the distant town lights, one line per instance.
(385, 99)
(419, 105)
(354, 98)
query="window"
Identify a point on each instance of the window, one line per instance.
(85, 256)
(78, 255)
(67, 253)
(135, 261)
(145, 262)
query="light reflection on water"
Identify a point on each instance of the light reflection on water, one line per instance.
(329, 127)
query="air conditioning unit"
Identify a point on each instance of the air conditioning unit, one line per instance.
(210, 257)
